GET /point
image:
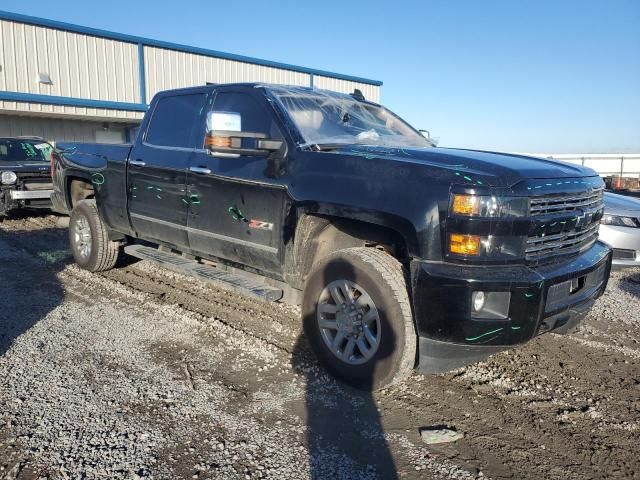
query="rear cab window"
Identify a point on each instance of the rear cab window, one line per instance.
(176, 121)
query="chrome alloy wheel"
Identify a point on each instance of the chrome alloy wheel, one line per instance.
(349, 322)
(82, 237)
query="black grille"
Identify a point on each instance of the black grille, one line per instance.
(563, 203)
(30, 175)
(570, 242)
(569, 210)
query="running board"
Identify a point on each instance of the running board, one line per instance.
(231, 281)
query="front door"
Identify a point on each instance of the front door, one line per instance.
(237, 210)
(157, 169)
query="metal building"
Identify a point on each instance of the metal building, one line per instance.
(74, 83)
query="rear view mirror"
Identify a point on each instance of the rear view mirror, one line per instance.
(224, 136)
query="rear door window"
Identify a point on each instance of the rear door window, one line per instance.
(175, 121)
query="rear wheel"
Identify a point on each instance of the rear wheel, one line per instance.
(357, 317)
(89, 239)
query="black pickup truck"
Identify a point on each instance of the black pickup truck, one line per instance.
(400, 254)
(25, 177)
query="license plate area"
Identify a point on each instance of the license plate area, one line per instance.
(574, 290)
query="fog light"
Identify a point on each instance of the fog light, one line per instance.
(464, 244)
(490, 305)
(478, 301)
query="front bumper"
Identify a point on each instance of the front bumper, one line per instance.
(12, 199)
(29, 194)
(541, 301)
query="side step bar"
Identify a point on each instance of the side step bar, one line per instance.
(231, 281)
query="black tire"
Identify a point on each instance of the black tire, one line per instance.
(102, 253)
(383, 278)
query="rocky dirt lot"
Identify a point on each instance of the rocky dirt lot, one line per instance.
(140, 372)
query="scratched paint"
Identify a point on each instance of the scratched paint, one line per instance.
(490, 332)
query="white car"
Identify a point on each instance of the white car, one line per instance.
(620, 228)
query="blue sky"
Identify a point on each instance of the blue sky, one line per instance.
(557, 76)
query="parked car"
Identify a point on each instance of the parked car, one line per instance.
(25, 177)
(620, 228)
(399, 253)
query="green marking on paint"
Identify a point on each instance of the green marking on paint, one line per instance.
(184, 201)
(528, 295)
(150, 188)
(473, 339)
(236, 214)
(515, 328)
(467, 178)
(158, 197)
(195, 200)
(97, 178)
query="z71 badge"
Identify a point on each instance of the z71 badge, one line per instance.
(259, 224)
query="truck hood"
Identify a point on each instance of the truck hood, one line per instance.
(24, 166)
(495, 168)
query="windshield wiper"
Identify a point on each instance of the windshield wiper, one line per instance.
(325, 147)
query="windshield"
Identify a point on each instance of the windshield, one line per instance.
(20, 150)
(325, 117)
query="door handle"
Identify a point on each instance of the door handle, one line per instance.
(137, 163)
(200, 170)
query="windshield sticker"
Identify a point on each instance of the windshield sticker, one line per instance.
(43, 146)
(229, 121)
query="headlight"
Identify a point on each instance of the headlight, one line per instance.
(8, 178)
(616, 221)
(489, 206)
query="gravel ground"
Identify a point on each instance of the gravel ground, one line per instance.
(142, 373)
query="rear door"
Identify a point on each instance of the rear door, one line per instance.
(157, 168)
(237, 208)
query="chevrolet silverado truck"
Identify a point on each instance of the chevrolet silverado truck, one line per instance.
(25, 177)
(401, 255)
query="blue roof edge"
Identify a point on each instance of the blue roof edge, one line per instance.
(71, 101)
(96, 32)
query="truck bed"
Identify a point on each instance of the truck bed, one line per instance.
(93, 156)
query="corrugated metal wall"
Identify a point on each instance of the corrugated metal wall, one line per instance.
(58, 130)
(96, 66)
(166, 69)
(80, 66)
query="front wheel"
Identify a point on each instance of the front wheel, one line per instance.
(357, 317)
(89, 239)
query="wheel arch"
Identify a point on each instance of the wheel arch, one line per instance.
(320, 232)
(78, 187)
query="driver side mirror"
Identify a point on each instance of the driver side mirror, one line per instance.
(224, 136)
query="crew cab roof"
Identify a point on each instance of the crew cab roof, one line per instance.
(217, 85)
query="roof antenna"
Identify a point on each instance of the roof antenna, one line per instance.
(357, 94)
